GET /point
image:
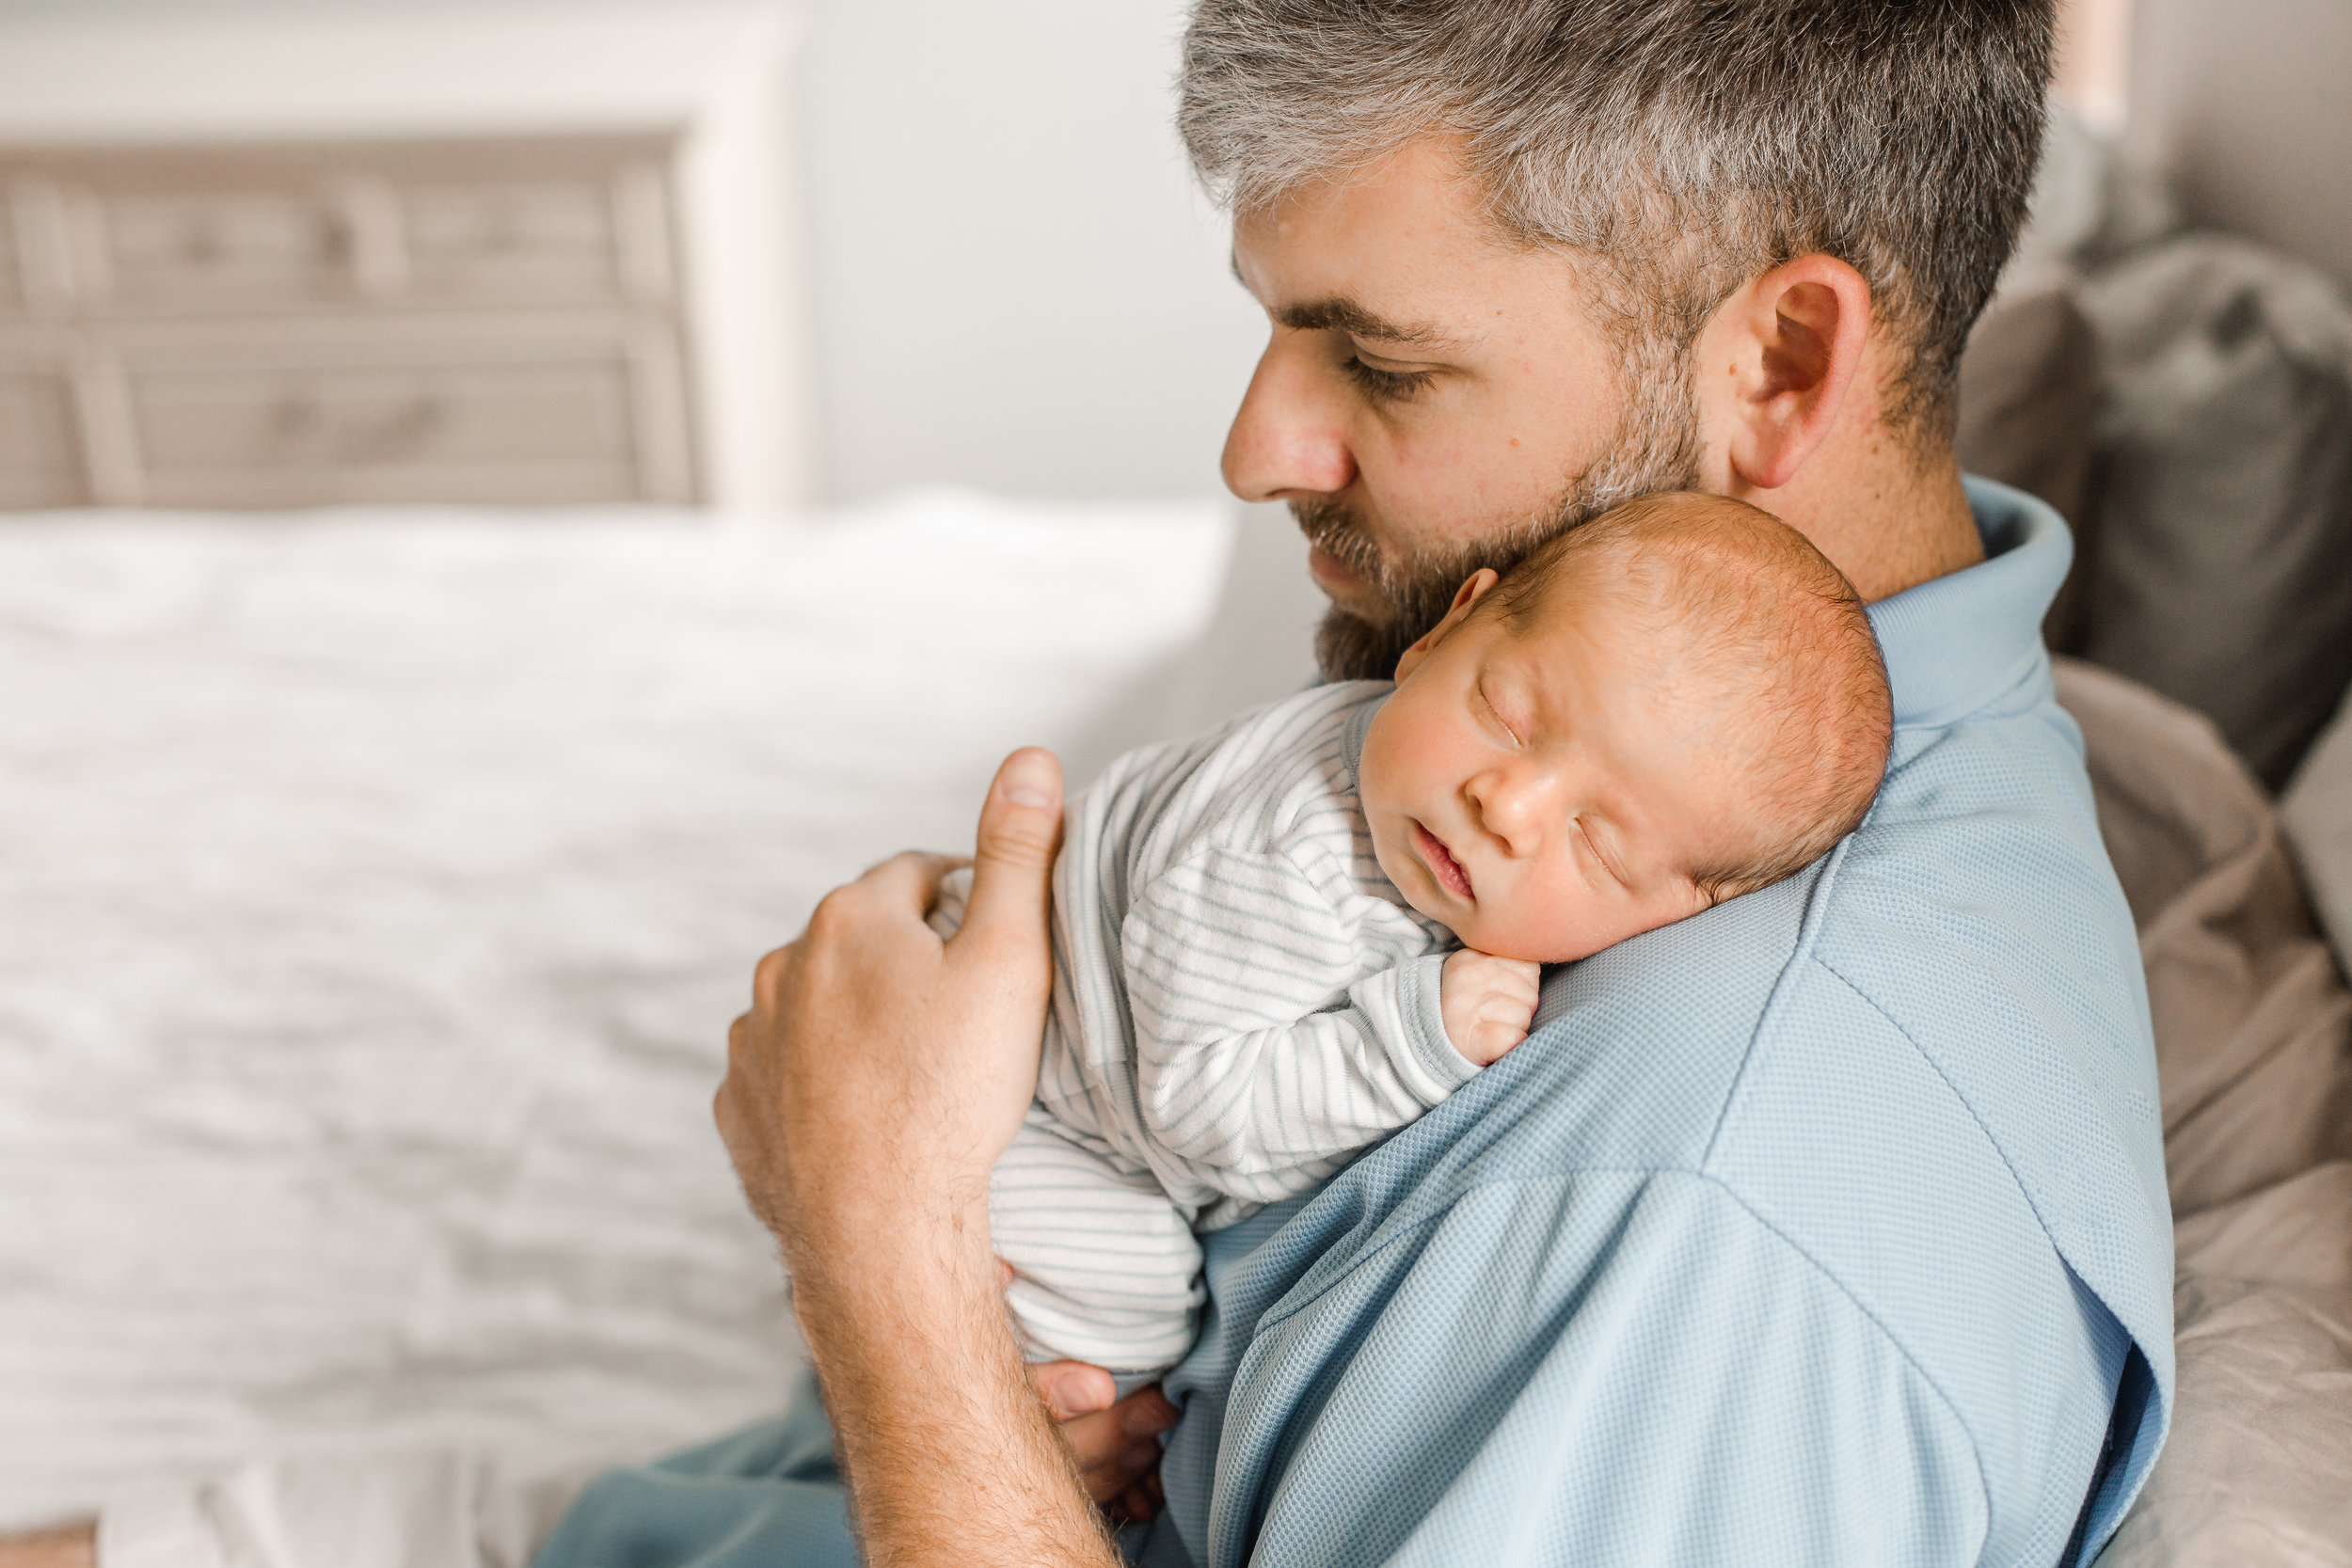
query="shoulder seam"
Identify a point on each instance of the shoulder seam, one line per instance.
(1952, 1407)
(1815, 912)
(2016, 1179)
(1949, 1087)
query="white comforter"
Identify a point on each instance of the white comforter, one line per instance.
(374, 892)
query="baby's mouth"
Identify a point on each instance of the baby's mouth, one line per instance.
(1450, 874)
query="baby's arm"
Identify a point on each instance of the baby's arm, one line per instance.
(1265, 1051)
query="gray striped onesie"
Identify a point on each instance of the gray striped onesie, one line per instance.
(1242, 1001)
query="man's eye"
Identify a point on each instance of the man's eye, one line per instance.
(1385, 385)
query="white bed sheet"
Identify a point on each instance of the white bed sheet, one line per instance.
(374, 891)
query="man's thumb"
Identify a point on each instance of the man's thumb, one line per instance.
(1020, 826)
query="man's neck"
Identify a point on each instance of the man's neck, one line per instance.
(1888, 532)
(1887, 516)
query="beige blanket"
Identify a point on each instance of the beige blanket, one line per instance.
(2254, 1047)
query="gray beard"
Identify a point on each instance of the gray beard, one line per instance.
(1655, 448)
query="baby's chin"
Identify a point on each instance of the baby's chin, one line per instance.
(1425, 906)
(1506, 939)
(1527, 952)
(1502, 939)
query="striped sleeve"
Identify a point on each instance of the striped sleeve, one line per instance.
(1271, 1041)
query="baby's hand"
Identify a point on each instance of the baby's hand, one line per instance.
(1487, 1002)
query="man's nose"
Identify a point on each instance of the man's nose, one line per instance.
(1289, 439)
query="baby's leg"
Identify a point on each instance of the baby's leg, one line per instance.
(1105, 1268)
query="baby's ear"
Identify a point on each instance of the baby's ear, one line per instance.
(1473, 590)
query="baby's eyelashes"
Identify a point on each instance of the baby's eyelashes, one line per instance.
(1600, 857)
(1510, 732)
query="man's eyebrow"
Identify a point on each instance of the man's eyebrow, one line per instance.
(1345, 315)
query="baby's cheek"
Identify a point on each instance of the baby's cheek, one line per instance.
(1553, 921)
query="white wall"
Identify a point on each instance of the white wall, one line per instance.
(2246, 108)
(1011, 280)
(1014, 282)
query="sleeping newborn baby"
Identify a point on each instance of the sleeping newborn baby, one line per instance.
(1281, 942)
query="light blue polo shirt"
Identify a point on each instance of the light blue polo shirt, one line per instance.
(1826, 1227)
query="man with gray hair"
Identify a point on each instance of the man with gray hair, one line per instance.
(1826, 1227)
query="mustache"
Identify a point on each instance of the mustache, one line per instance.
(1411, 594)
(1417, 588)
(1330, 527)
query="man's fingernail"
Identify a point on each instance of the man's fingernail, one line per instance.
(1148, 1419)
(1028, 780)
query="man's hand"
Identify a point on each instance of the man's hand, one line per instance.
(1116, 1444)
(880, 1071)
(1487, 1003)
(868, 1092)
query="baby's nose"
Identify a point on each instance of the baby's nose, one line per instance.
(1507, 805)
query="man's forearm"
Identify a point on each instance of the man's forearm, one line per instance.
(950, 1457)
(869, 1090)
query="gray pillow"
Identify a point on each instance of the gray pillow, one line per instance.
(2028, 401)
(2091, 203)
(2253, 1032)
(2223, 573)
(2316, 813)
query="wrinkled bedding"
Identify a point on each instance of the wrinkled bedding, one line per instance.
(374, 892)
(2254, 1050)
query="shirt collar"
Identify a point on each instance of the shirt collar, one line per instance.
(1951, 642)
(1954, 641)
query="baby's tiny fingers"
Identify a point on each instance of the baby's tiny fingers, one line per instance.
(1514, 1007)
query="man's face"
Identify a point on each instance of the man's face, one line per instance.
(1434, 398)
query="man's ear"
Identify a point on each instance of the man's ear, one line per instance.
(1779, 358)
(1473, 590)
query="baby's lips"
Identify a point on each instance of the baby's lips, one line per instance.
(1444, 864)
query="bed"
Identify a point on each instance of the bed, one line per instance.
(379, 887)
(378, 890)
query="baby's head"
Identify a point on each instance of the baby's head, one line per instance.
(1676, 703)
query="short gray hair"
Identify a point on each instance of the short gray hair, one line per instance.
(1687, 146)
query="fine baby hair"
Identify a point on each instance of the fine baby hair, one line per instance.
(1763, 642)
